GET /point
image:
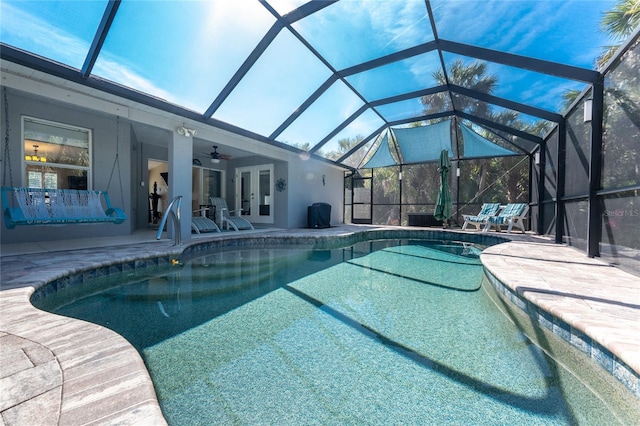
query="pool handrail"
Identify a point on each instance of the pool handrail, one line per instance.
(175, 215)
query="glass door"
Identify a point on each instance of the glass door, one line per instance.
(254, 193)
(206, 183)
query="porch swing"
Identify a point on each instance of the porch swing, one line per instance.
(46, 206)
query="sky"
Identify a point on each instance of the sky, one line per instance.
(185, 52)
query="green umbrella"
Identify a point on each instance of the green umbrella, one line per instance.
(443, 205)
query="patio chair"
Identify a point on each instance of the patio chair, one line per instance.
(224, 217)
(514, 214)
(487, 210)
(202, 224)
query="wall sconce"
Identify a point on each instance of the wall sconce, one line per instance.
(184, 131)
(588, 110)
(536, 158)
(457, 171)
(399, 175)
(35, 157)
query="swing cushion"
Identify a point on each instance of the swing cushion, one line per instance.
(36, 206)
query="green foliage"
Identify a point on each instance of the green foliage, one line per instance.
(344, 146)
(622, 20)
(568, 97)
(621, 136)
(472, 76)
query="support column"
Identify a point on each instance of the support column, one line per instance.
(542, 161)
(594, 229)
(560, 180)
(180, 162)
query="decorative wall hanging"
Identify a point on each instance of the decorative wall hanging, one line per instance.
(281, 185)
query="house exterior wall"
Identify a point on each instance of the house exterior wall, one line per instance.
(305, 186)
(111, 134)
(107, 134)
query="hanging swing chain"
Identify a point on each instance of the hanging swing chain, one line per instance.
(117, 161)
(7, 155)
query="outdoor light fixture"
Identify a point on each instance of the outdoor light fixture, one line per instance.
(184, 131)
(457, 171)
(536, 158)
(588, 110)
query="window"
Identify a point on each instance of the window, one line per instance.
(207, 183)
(56, 155)
(35, 179)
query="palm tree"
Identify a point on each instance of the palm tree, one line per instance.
(620, 22)
(623, 19)
(473, 76)
(568, 96)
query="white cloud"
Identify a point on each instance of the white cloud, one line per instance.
(114, 71)
(31, 33)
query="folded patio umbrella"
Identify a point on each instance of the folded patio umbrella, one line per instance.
(443, 205)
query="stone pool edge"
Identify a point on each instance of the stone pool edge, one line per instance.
(80, 407)
(61, 277)
(606, 352)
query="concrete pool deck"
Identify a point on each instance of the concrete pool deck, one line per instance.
(58, 370)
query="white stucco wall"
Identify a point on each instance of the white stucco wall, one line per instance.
(114, 121)
(305, 186)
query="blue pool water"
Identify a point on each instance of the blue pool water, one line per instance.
(382, 332)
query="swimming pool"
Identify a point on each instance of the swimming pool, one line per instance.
(393, 331)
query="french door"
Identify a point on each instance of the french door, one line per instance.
(254, 193)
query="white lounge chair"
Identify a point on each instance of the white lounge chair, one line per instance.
(224, 217)
(487, 210)
(514, 214)
(201, 224)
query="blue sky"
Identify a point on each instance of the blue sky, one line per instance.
(186, 51)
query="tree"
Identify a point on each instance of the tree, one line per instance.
(622, 97)
(473, 76)
(620, 22)
(568, 97)
(344, 146)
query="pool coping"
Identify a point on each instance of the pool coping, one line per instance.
(92, 375)
(566, 300)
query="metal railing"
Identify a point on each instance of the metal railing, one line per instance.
(175, 216)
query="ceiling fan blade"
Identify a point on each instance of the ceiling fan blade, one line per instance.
(215, 155)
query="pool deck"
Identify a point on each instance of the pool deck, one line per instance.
(61, 371)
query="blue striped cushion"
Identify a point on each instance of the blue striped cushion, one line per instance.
(512, 209)
(489, 209)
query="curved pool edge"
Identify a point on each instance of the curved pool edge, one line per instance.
(103, 380)
(77, 372)
(72, 267)
(568, 299)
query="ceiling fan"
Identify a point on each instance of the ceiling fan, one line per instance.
(215, 156)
